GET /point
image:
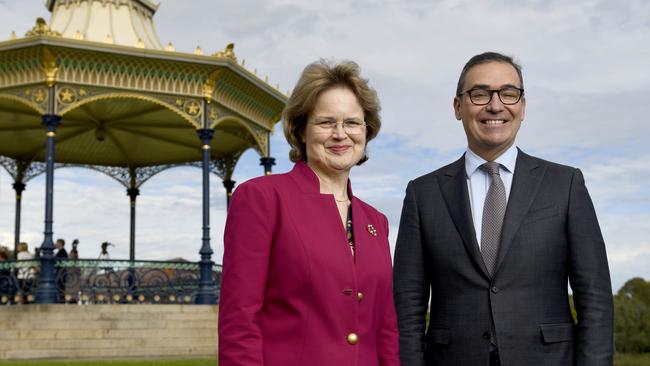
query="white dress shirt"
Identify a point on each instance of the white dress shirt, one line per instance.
(478, 182)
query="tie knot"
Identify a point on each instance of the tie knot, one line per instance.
(491, 167)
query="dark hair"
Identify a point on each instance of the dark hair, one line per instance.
(61, 240)
(315, 79)
(484, 58)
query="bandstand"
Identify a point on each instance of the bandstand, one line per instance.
(94, 87)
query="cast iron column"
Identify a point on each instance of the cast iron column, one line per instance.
(19, 187)
(228, 184)
(267, 162)
(132, 193)
(47, 291)
(207, 289)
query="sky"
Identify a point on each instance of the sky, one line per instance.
(585, 66)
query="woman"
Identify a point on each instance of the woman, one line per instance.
(25, 274)
(307, 266)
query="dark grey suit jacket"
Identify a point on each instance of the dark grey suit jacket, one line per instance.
(550, 237)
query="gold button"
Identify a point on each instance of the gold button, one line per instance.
(353, 338)
(360, 296)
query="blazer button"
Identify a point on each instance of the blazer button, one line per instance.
(495, 289)
(352, 338)
(486, 335)
(360, 296)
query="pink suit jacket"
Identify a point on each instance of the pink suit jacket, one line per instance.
(291, 290)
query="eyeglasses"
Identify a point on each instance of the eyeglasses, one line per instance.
(509, 95)
(351, 127)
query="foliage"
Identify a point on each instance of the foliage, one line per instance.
(632, 359)
(632, 317)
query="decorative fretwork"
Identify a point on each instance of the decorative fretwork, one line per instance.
(221, 167)
(226, 165)
(129, 178)
(21, 67)
(248, 99)
(20, 170)
(106, 281)
(132, 73)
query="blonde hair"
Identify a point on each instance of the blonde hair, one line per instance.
(23, 247)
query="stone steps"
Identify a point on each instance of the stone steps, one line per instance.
(107, 331)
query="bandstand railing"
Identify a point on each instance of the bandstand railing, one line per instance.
(84, 281)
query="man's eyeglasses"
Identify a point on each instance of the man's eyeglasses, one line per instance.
(509, 95)
(351, 127)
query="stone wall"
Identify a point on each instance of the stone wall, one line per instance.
(107, 331)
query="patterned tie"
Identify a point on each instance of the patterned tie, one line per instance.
(494, 210)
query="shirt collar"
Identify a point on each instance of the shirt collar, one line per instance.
(507, 160)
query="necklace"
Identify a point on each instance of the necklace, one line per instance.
(347, 200)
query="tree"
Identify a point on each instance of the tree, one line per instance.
(632, 317)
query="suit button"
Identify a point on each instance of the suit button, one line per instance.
(360, 296)
(495, 289)
(352, 338)
(486, 335)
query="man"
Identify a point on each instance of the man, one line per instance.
(59, 245)
(495, 245)
(61, 273)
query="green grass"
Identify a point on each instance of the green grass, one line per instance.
(158, 362)
(619, 360)
(642, 359)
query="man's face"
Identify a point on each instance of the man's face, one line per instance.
(491, 129)
(58, 244)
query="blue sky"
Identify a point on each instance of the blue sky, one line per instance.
(585, 72)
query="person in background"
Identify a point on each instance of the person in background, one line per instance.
(307, 265)
(74, 253)
(59, 246)
(25, 274)
(61, 273)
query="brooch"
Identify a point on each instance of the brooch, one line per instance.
(371, 230)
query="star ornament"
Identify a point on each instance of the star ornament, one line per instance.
(371, 230)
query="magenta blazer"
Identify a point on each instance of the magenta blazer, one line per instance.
(291, 292)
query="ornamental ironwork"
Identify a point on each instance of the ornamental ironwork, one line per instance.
(21, 170)
(84, 281)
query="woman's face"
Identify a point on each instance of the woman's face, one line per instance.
(335, 150)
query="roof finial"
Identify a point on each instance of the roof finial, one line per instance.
(228, 52)
(41, 29)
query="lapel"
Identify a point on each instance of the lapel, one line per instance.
(454, 190)
(322, 208)
(525, 184)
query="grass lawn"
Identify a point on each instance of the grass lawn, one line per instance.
(619, 360)
(642, 359)
(158, 362)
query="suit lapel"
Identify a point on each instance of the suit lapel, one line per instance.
(454, 190)
(525, 184)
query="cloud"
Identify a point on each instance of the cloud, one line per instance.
(585, 69)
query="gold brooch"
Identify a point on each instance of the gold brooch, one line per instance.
(371, 230)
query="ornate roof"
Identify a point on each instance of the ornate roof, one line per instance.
(126, 106)
(123, 22)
